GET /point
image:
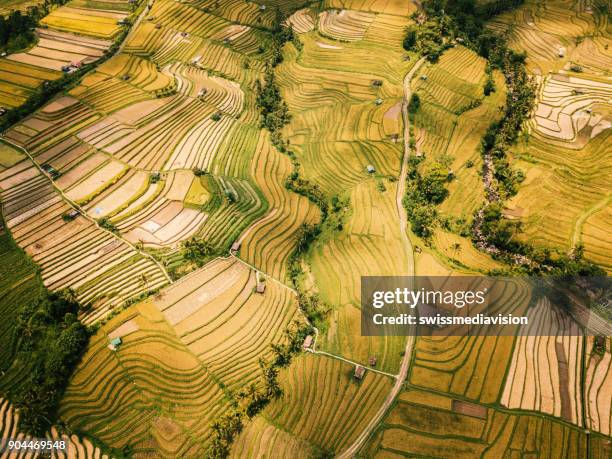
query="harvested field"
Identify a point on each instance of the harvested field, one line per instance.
(565, 108)
(598, 388)
(56, 49)
(102, 269)
(160, 219)
(545, 371)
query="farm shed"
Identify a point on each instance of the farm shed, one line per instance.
(307, 342)
(371, 169)
(50, 170)
(261, 288)
(372, 361)
(359, 372)
(71, 215)
(114, 344)
(236, 246)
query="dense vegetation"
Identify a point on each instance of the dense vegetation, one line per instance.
(273, 109)
(423, 192)
(43, 339)
(16, 30)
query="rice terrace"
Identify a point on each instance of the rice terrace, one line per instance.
(193, 191)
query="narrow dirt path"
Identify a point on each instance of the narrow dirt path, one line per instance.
(577, 231)
(353, 449)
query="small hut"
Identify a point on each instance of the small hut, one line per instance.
(359, 372)
(372, 361)
(261, 288)
(561, 51)
(114, 344)
(307, 342)
(50, 170)
(371, 169)
(236, 246)
(68, 216)
(378, 101)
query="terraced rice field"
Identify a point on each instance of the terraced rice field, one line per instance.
(597, 388)
(101, 23)
(104, 270)
(270, 240)
(19, 80)
(76, 447)
(6, 6)
(564, 200)
(143, 115)
(56, 49)
(419, 420)
(219, 317)
(454, 116)
(555, 33)
(568, 106)
(545, 373)
(205, 334)
(162, 143)
(321, 410)
(152, 393)
(338, 128)
(472, 367)
(67, 36)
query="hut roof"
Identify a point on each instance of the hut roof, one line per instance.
(307, 342)
(359, 372)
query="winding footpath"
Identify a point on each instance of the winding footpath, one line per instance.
(353, 449)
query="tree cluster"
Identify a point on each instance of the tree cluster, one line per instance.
(16, 29)
(197, 250)
(425, 189)
(272, 108)
(50, 342)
